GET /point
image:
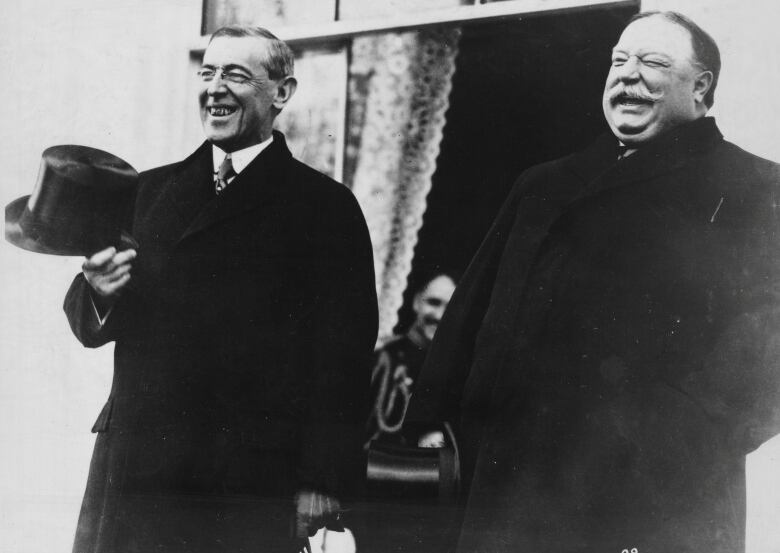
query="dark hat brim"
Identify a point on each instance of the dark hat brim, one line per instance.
(16, 235)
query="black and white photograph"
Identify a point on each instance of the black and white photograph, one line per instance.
(390, 276)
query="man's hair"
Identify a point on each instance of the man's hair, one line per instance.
(430, 276)
(705, 50)
(281, 60)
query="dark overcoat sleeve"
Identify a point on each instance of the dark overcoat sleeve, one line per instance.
(482, 310)
(83, 319)
(439, 388)
(80, 309)
(738, 382)
(344, 327)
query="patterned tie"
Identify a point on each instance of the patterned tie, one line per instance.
(622, 149)
(225, 172)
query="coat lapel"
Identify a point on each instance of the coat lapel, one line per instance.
(173, 201)
(538, 208)
(664, 155)
(189, 190)
(258, 184)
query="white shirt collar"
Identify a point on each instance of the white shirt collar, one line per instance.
(240, 158)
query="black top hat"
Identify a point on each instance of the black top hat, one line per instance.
(78, 205)
(396, 470)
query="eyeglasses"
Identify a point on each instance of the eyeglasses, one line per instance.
(208, 74)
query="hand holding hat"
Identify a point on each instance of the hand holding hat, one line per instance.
(108, 272)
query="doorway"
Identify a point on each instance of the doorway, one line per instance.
(524, 91)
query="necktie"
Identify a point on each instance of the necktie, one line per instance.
(224, 173)
(624, 151)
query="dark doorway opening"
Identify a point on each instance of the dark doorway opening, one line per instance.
(524, 91)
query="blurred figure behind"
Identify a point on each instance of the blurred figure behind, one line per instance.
(398, 362)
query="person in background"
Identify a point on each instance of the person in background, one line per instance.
(242, 325)
(398, 362)
(613, 352)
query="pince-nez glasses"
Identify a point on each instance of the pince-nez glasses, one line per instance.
(208, 74)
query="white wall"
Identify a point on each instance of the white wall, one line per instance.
(104, 73)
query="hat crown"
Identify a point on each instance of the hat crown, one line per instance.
(78, 204)
(86, 166)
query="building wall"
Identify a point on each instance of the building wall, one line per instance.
(104, 73)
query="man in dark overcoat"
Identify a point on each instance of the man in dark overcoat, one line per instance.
(613, 352)
(243, 324)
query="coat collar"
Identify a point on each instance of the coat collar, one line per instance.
(599, 168)
(180, 195)
(258, 183)
(191, 185)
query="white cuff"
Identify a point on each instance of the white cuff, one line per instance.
(101, 320)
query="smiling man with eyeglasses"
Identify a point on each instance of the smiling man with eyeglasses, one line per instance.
(243, 324)
(244, 88)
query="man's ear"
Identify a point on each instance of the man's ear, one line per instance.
(285, 89)
(701, 85)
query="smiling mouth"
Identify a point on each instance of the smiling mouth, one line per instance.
(221, 111)
(631, 101)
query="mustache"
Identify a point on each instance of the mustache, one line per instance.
(621, 94)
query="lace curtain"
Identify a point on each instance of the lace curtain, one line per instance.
(399, 85)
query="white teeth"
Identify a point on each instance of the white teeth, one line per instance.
(221, 111)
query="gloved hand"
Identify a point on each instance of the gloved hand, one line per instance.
(315, 510)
